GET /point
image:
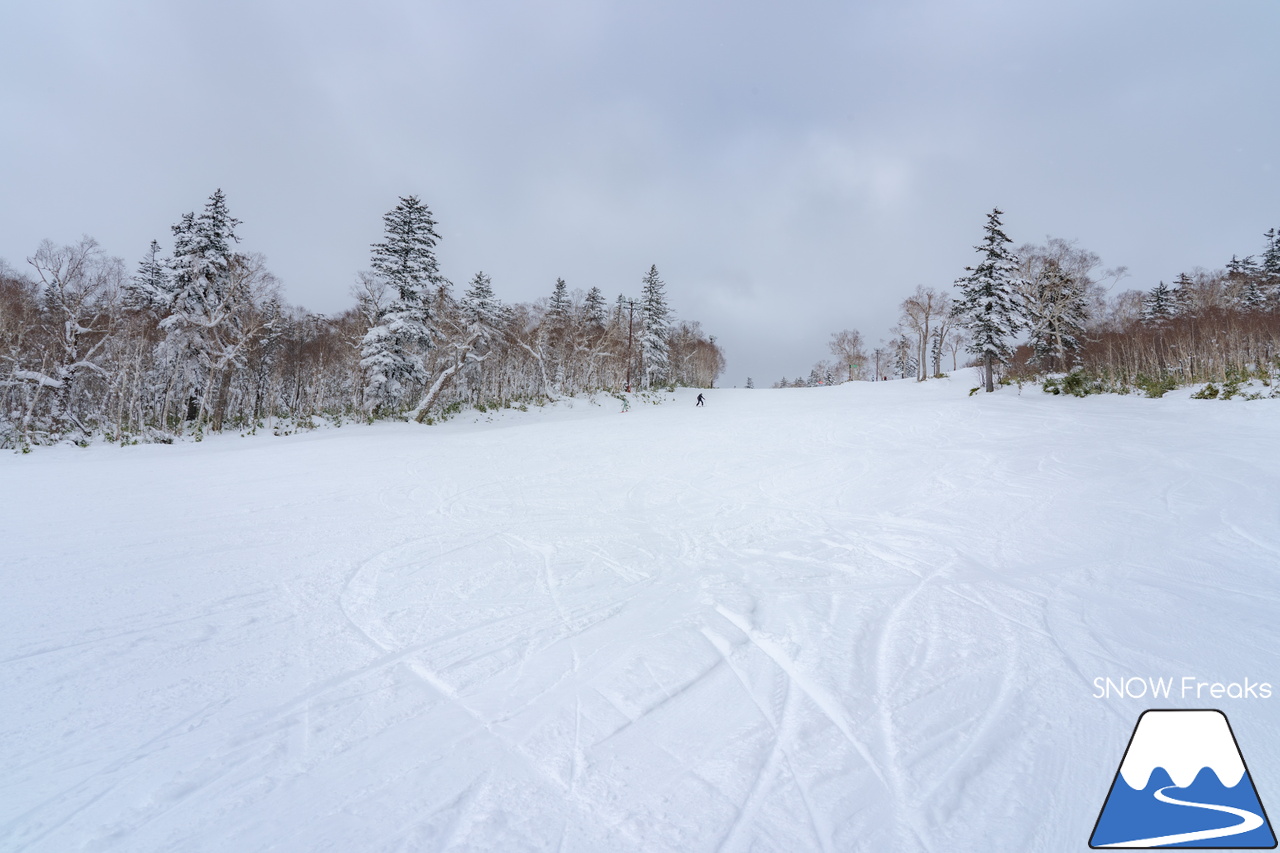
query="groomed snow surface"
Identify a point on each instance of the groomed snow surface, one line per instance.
(865, 617)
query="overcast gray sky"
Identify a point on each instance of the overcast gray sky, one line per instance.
(792, 168)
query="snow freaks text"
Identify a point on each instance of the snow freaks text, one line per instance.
(1186, 687)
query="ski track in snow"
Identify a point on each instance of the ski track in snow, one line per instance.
(858, 618)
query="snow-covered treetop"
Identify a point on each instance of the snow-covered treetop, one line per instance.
(406, 257)
(1158, 305)
(653, 297)
(595, 308)
(558, 308)
(202, 259)
(149, 287)
(479, 304)
(988, 305)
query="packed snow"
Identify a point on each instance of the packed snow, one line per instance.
(865, 617)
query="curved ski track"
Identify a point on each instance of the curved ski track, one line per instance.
(791, 621)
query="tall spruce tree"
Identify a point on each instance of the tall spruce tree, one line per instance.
(1238, 268)
(1183, 295)
(1269, 269)
(200, 296)
(1247, 282)
(200, 269)
(484, 317)
(595, 309)
(655, 345)
(1251, 298)
(558, 307)
(481, 308)
(148, 289)
(393, 351)
(1158, 305)
(988, 307)
(904, 360)
(555, 332)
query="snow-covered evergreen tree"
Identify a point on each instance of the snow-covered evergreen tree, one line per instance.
(1238, 268)
(1056, 315)
(1269, 269)
(750, 383)
(595, 309)
(1251, 298)
(823, 373)
(1183, 295)
(558, 307)
(201, 296)
(1247, 281)
(484, 316)
(904, 361)
(987, 307)
(200, 269)
(480, 307)
(393, 351)
(148, 290)
(555, 331)
(1158, 305)
(654, 340)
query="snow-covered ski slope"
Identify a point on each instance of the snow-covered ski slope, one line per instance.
(866, 617)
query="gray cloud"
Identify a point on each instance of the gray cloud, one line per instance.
(791, 169)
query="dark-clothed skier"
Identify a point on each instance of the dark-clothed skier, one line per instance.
(701, 401)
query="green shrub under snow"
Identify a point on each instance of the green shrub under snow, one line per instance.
(1249, 383)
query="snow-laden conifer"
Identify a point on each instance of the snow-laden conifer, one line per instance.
(480, 307)
(1247, 280)
(554, 344)
(1158, 305)
(558, 307)
(595, 309)
(988, 308)
(1183, 295)
(1238, 268)
(393, 351)
(200, 268)
(148, 289)
(1269, 269)
(654, 343)
(904, 361)
(484, 317)
(201, 296)
(1251, 298)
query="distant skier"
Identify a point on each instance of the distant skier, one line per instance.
(701, 402)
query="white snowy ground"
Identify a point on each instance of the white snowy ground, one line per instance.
(856, 618)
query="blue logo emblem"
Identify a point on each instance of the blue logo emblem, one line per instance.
(1183, 783)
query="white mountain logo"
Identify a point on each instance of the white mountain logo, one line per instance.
(1183, 783)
